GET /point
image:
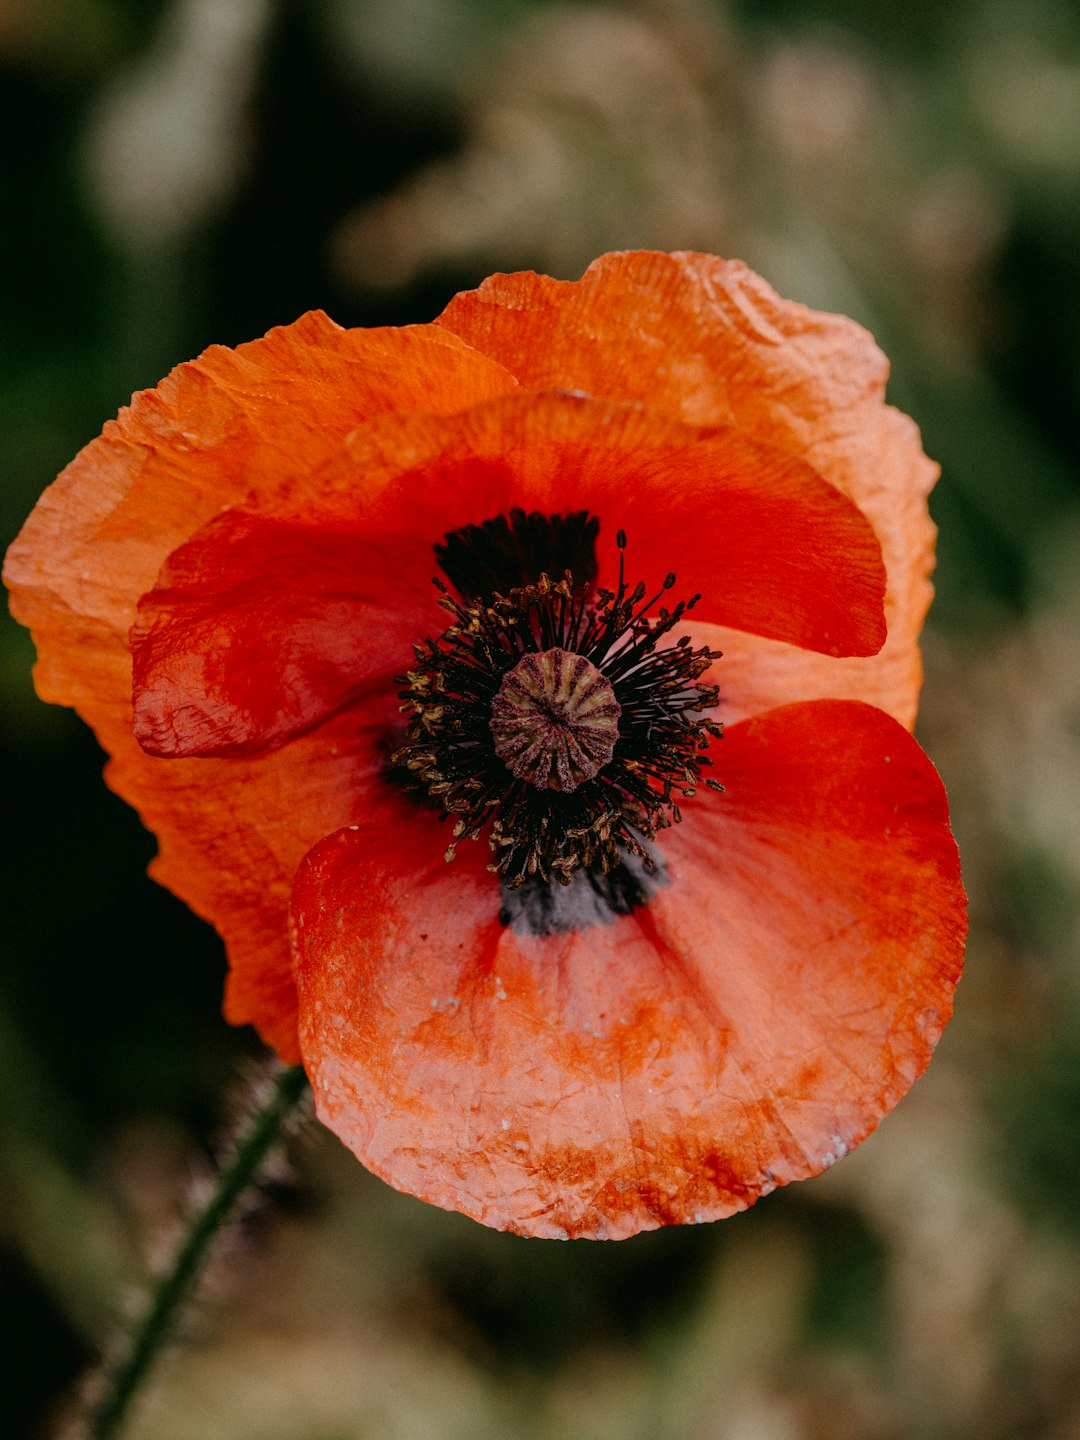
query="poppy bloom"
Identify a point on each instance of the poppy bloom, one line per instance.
(598, 885)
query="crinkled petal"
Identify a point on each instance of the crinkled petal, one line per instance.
(229, 426)
(711, 342)
(746, 1028)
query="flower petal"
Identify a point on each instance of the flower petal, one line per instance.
(259, 629)
(264, 624)
(711, 342)
(229, 425)
(749, 1025)
(772, 547)
(756, 675)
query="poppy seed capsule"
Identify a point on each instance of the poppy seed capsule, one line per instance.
(555, 720)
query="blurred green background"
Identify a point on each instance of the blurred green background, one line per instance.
(177, 172)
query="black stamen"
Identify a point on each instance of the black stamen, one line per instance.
(553, 720)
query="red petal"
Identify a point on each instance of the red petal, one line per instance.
(229, 425)
(746, 1028)
(709, 341)
(262, 625)
(771, 547)
(259, 629)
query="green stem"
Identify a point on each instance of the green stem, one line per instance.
(238, 1170)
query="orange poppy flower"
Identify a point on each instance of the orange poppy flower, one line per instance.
(594, 1020)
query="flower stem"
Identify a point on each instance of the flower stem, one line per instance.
(239, 1169)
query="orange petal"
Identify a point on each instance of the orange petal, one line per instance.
(746, 1028)
(228, 426)
(231, 835)
(709, 341)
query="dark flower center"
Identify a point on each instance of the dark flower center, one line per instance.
(516, 549)
(563, 723)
